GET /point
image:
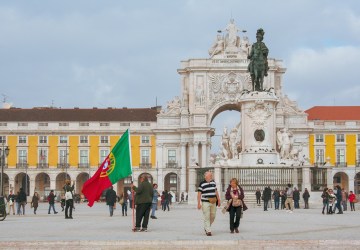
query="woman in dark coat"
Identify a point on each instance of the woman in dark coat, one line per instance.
(35, 201)
(234, 191)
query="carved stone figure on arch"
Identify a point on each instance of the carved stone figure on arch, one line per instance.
(284, 143)
(218, 46)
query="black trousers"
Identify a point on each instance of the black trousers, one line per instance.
(68, 204)
(142, 214)
(235, 213)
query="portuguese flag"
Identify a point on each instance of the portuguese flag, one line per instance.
(115, 167)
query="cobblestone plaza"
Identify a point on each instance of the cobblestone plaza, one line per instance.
(181, 228)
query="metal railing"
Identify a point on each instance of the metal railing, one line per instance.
(63, 165)
(42, 165)
(22, 165)
(172, 165)
(340, 164)
(84, 165)
(145, 165)
(319, 164)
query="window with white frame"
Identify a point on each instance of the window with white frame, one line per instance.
(173, 178)
(319, 156)
(340, 155)
(43, 154)
(22, 154)
(145, 139)
(63, 139)
(171, 156)
(340, 138)
(145, 156)
(3, 139)
(63, 156)
(103, 154)
(42, 139)
(104, 139)
(84, 156)
(22, 139)
(83, 139)
(127, 180)
(319, 138)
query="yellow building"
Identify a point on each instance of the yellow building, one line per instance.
(335, 143)
(49, 145)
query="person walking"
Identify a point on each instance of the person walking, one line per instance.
(69, 199)
(306, 196)
(11, 202)
(123, 202)
(235, 196)
(338, 199)
(143, 201)
(344, 199)
(35, 201)
(51, 200)
(276, 196)
(332, 201)
(169, 200)
(283, 198)
(296, 198)
(266, 197)
(130, 199)
(352, 199)
(258, 197)
(110, 198)
(154, 201)
(289, 199)
(166, 200)
(17, 202)
(208, 198)
(22, 200)
(325, 199)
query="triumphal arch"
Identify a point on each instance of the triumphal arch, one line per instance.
(269, 146)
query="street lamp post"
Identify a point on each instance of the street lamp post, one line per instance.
(4, 152)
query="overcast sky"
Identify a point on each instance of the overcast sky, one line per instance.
(90, 53)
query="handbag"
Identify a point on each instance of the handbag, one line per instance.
(355, 201)
(68, 195)
(121, 201)
(226, 207)
(236, 203)
(212, 200)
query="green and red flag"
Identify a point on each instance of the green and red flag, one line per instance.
(115, 167)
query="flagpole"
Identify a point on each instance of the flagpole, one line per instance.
(132, 181)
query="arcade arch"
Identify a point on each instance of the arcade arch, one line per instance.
(42, 183)
(341, 179)
(60, 181)
(22, 180)
(80, 180)
(171, 182)
(6, 184)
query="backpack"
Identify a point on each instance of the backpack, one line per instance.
(48, 198)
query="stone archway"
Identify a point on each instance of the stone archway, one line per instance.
(171, 182)
(80, 180)
(149, 176)
(341, 179)
(42, 183)
(22, 180)
(6, 184)
(357, 183)
(60, 181)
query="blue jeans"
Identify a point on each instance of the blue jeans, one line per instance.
(153, 209)
(124, 208)
(111, 210)
(277, 203)
(53, 206)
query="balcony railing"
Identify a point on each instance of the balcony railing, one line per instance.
(145, 165)
(340, 164)
(63, 165)
(22, 165)
(84, 165)
(319, 164)
(42, 165)
(172, 165)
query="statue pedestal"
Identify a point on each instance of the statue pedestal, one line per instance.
(258, 119)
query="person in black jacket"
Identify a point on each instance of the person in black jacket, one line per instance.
(22, 199)
(296, 197)
(51, 200)
(266, 197)
(258, 196)
(110, 198)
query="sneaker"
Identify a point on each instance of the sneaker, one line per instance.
(236, 230)
(290, 212)
(143, 230)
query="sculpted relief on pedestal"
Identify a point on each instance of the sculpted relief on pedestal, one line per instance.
(259, 113)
